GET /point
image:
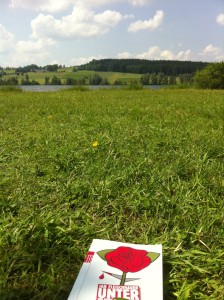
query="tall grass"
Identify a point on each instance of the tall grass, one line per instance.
(10, 88)
(155, 176)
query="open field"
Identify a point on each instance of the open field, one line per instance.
(156, 176)
(65, 73)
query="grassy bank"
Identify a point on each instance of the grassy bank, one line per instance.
(156, 176)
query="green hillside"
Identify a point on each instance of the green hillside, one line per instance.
(83, 76)
(110, 71)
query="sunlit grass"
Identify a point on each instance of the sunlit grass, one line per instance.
(133, 166)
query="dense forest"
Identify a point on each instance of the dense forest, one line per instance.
(142, 66)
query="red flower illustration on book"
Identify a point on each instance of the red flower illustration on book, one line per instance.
(127, 259)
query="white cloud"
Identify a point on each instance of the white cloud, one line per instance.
(141, 2)
(21, 59)
(220, 19)
(6, 39)
(210, 49)
(109, 18)
(124, 55)
(82, 23)
(151, 24)
(52, 6)
(185, 55)
(156, 53)
(84, 60)
(29, 52)
(209, 53)
(33, 46)
(42, 5)
(167, 55)
(153, 53)
(212, 53)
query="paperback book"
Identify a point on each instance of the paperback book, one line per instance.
(120, 271)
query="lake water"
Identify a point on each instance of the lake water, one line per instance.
(55, 88)
(44, 88)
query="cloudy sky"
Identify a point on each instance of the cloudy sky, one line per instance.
(73, 32)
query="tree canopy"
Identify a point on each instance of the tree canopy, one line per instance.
(143, 66)
(34, 68)
(211, 77)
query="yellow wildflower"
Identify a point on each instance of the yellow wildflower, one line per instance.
(95, 144)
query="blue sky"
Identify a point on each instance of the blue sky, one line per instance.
(72, 32)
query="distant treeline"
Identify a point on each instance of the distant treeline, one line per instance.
(186, 73)
(35, 68)
(142, 66)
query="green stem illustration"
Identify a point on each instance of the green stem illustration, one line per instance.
(123, 278)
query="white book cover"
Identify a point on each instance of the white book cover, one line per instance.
(120, 271)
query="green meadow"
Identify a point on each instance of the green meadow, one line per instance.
(135, 166)
(65, 73)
